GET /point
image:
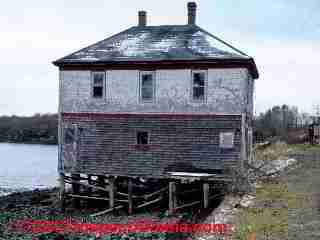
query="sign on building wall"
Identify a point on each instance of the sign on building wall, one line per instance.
(226, 140)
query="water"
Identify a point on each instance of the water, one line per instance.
(27, 167)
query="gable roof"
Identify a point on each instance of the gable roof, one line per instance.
(157, 43)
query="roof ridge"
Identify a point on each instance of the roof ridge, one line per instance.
(222, 41)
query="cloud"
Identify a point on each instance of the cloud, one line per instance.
(281, 35)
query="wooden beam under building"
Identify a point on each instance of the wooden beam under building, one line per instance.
(206, 195)
(130, 205)
(111, 191)
(172, 197)
(76, 189)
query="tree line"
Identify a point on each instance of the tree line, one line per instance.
(39, 128)
(283, 121)
(279, 120)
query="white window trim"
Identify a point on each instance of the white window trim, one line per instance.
(222, 135)
(154, 86)
(205, 86)
(92, 85)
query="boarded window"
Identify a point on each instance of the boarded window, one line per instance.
(198, 85)
(98, 83)
(142, 138)
(69, 135)
(147, 86)
(226, 140)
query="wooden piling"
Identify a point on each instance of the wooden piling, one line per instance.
(172, 197)
(206, 195)
(111, 192)
(76, 189)
(62, 192)
(130, 196)
(90, 183)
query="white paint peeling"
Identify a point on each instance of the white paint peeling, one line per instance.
(226, 92)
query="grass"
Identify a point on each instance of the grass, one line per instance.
(270, 215)
(285, 207)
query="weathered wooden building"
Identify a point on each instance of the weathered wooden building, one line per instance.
(156, 102)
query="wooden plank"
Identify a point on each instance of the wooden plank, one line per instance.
(155, 193)
(106, 211)
(151, 202)
(81, 178)
(130, 196)
(188, 204)
(126, 195)
(206, 195)
(87, 185)
(121, 200)
(87, 197)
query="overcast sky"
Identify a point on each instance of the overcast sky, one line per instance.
(282, 35)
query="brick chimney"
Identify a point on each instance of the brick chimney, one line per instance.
(142, 18)
(192, 13)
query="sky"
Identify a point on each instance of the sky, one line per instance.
(283, 36)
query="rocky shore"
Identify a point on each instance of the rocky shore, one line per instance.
(44, 205)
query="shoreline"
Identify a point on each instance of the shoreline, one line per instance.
(31, 143)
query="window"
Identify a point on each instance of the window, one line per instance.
(147, 86)
(142, 138)
(198, 85)
(69, 135)
(98, 83)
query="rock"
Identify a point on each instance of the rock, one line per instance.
(246, 201)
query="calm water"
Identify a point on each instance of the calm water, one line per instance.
(27, 166)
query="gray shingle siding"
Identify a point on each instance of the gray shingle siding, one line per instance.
(107, 145)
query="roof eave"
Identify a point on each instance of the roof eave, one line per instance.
(247, 61)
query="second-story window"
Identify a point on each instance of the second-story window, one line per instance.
(147, 86)
(199, 85)
(98, 84)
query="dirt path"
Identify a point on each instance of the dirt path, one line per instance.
(304, 182)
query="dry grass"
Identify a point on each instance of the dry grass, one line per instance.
(279, 150)
(268, 218)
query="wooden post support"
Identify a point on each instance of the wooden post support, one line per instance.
(102, 184)
(206, 194)
(76, 190)
(130, 196)
(172, 197)
(111, 192)
(243, 142)
(90, 183)
(62, 192)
